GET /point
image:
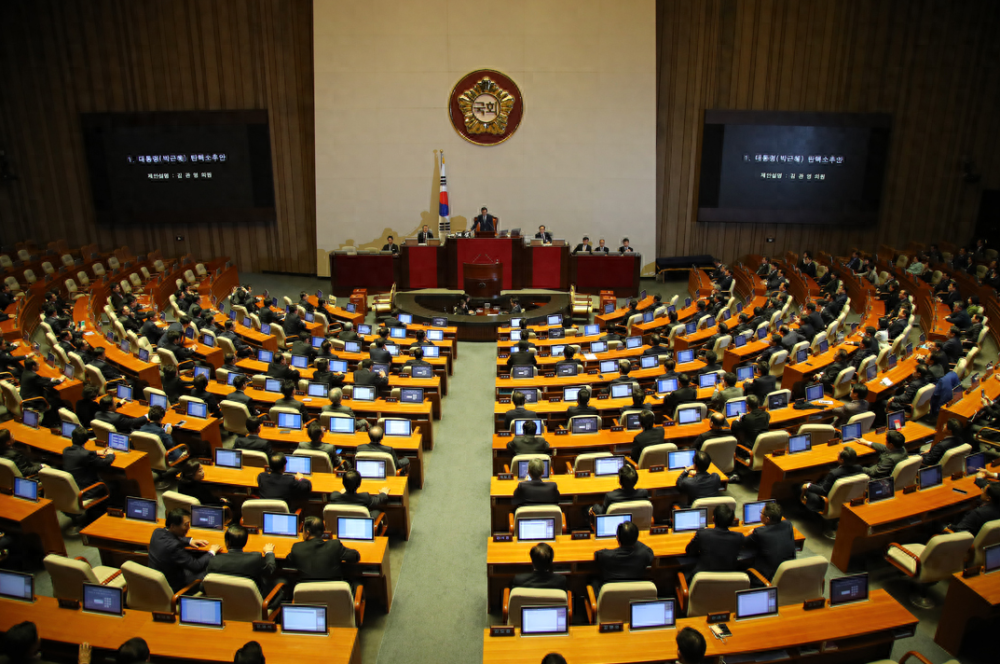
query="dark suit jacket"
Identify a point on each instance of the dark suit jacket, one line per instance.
(573, 411)
(519, 359)
(423, 237)
(973, 520)
(253, 442)
(775, 544)
(200, 491)
(368, 377)
(282, 372)
(623, 496)
(168, 554)
(362, 498)
(240, 397)
(249, 565)
(645, 439)
(529, 445)
(887, 460)
(583, 248)
(952, 347)
(752, 424)
(380, 356)
(536, 492)
(293, 404)
(122, 423)
(677, 397)
(699, 485)
(624, 564)
(535, 579)
(33, 385)
(320, 560)
(761, 386)
(484, 223)
(282, 487)
(83, 465)
(709, 435)
(717, 549)
(520, 413)
(934, 455)
(384, 449)
(823, 488)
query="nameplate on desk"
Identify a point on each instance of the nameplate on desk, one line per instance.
(593, 372)
(659, 530)
(339, 473)
(778, 453)
(504, 400)
(860, 500)
(504, 434)
(909, 489)
(115, 512)
(657, 468)
(718, 618)
(555, 399)
(206, 462)
(668, 423)
(551, 374)
(391, 400)
(505, 377)
(834, 441)
(501, 630)
(606, 627)
(616, 429)
(162, 617)
(583, 473)
(73, 604)
(253, 530)
(580, 535)
(562, 432)
(263, 626)
(503, 537)
(970, 572)
(879, 431)
(603, 396)
(268, 425)
(505, 476)
(958, 475)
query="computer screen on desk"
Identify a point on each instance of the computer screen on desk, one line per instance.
(621, 390)
(522, 469)
(604, 466)
(606, 525)
(707, 379)
(850, 432)
(930, 477)
(814, 392)
(685, 356)
(649, 361)
(871, 372)
(303, 619)
(370, 469)
(102, 599)
(536, 530)
(289, 421)
(681, 459)
(231, 376)
(800, 443)
(647, 316)
(430, 351)
(264, 356)
(300, 361)
(67, 429)
(632, 421)
(991, 554)
(567, 369)
(29, 418)
(363, 393)
(756, 603)
(975, 462)
(208, 517)
(688, 415)
(522, 372)
(422, 372)
(598, 346)
(666, 385)
(609, 366)
(318, 390)
(15, 585)
(435, 335)
(736, 407)
(141, 509)
(690, 328)
(198, 371)
(544, 620)
(196, 409)
(651, 614)
(397, 427)
(354, 528)
(281, 524)
(848, 589)
(690, 519)
(411, 395)
(633, 342)
(200, 611)
(752, 511)
(125, 392)
(272, 385)
(519, 427)
(586, 424)
(570, 393)
(298, 464)
(26, 489)
(895, 420)
(777, 401)
(744, 372)
(228, 458)
(881, 489)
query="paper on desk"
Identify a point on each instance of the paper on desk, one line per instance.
(825, 402)
(589, 356)
(87, 334)
(886, 382)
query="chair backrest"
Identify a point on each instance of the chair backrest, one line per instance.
(953, 460)
(843, 490)
(712, 502)
(29, 276)
(151, 445)
(148, 589)
(335, 595)
(11, 398)
(722, 450)
(800, 579)
(521, 597)
(539, 512)
(842, 384)
(275, 410)
(23, 254)
(905, 472)
(766, 443)
(102, 429)
(777, 362)
(334, 511)
(255, 459)
(586, 461)
(6, 262)
(922, 401)
(175, 499)
(68, 576)
(200, 270)
(943, 556)
(98, 270)
(656, 455)
(722, 342)
(321, 462)
(234, 417)
(641, 511)
(518, 458)
(8, 472)
(821, 433)
(241, 600)
(95, 378)
(715, 592)
(988, 534)
(113, 263)
(167, 358)
(614, 600)
(866, 420)
(61, 489)
(390, 466)
(253, 510)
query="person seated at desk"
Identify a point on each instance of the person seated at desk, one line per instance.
(936, 362)
(317, 559)
(656, 346)
(174, 344)
(584, 247)
(22, 645)
(569, 358)
(847, 465)
(515, 306)
(86, 408)
(724, 281)
(154, 426)
(944, 389)
(351, 496)
(954, 438)
(364, 375)
(528, 442)
(293, 326)
(729, 391)
(649, 435)
(889, 455)
(691, 646)
(242, 348)
(696, 482)
(172, 385)
(84, 464)
(33, 385)
(718, 428)
(752, 423)
(711, 362)
(252, 440)
(192, 483)
(952, 347)
(774, 346)
(275, 484)
(684, 393)
(974, 520)
(269, 316)
(541, 575)
(601, 247)
(614, 333)
(624, 367)
(326, 351)
(762, 384)
(627, 562)
(336, 405)
(582, 406)
(288, 400)
(857, 405)
(627, 479)
(378, 353)
(303, 346)
(374, 444)
(121, 423)
(717, 549)
(668, 370)
(518, 412)
(811, 323)
(424, 235)
(322, 374)
(535, 491)
(625, 248)
(522, 356)
(347, 333)
(971, 335)
(920, 378)
(168, 551)
(315, 443)
(199, 390)
(239, 394)
(485, 222)
(638, 403)
(774, 542)
(25, 465)
(543, 235)
(248, 565)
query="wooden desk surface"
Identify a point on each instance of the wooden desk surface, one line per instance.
(620, 354)
(895, 376)
(507, 345)
(505, 381)
(246, 477)
(967, 599)
(813, 364)
(619, 314)
(53, 443)
(570, 485)
(395, 380)
(971, 402)
(70, 628)
(584, 645)
(195, 425)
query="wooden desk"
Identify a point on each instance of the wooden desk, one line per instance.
(803, 371)
(548, 363)
(127, 539)
(896, 376)
(575, 558)
(873, 525)
(619, 315)
(967, 599)
(781, 475)
(207, 432)
(253, 337)
(555, 384)
(863, 632)
(340, 313)
(38, 521)
(146, 372)
(970, 404)
(733, 357)
(62, 630)
(133, 465)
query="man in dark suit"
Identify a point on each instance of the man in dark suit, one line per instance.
(390, 245)
(847, 465)
(122, 423)
(543, 235)
(829, 375)
(717, 549)
(276, 485)
(625, 248)
(518, 412)
(684, 393)
(242, 348)
(252, 441)
(238, 395)
(351, 496)
(317, 559)
(322, 374)
(582, 406)
(33, 385)
(761, 385)
(347, 333)
(953, 346)
(774, 541)
(584, 247)
(790, 337)
(628, 562)
(541, 575)
(336, 405)
(154, 426)
(293, 326)
(249, 565)
(919, 379)
(535, 491)
(199, 390)
(288, 400)
(973, 520)
(485, 222)
(953, 439)
(364, 375)
(960, 318)
(529, 443)
(378, 353)
(374, 444)
(718, 428)
(601, 247)
(857, 405)
(569, 358)
(696, 482)
(627, 479)
(168, 551)
(522, 357)
(751, 423)
(649, 435)
(175, 344)
(424, 235)
(84, 464)
(812, 323)
(888, 455)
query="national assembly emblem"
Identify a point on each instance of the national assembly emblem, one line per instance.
(486, 107)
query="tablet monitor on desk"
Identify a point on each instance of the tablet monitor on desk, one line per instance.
(440, 321)
(300, 361)
(752, 512)
(536, 530)
(736, 407)
(666, 385)
(303, 619)
(370, 469)
(397, 427)
(188, 332)
(974, 463)
(431, 351)
(849, 589)
(29, 418)
(802, 355)
(158, 400)
(522, 372)
(554, 319)
(140, 509)
(397, 332)
(685, 356)
(15, 585)
(411, 395)
(355, 528)
(281, 524)
(892, 361)
(208, 340)
(341, 425)
(290, 421)
(762, 333)
(66, 429)
(814, 392)
(514, 322)
(248, 322)
(609, 307)
(621, 390)
(689, 415)
(515, 335)
(196, 409)
(557, 350)
(557, 333)
(824, 346)
(26, 489)
(850, 432)
(649, 361)
(544, 620)
(570, 393)
(609, 366)
(632, 422)
(208, 517)
(118, 441)
(298, 464)
(744, 372)
(633, 342)
(647, 316)
(680, 460)
(710, 321)
(203, 371)
(364, 329)
(991, 554)
(777, 401)
(605, 466)
(690, 328)
(530, 394)
(265, 328)
(929, 477)
(318, 390)
(69, 369)
(522, 469)
(352, 347)
(228, 458)
(598, 346)
(707, 379)
(690, 519)
(338, 366)
(231, 376)
(585, 424)
(405, 319)
(102, 599)
(393, 349)
(739, 341)
(896, 420)
(519, 427)
(363, 393)
(200, 611)
(591, 330)
(422, 372)
(125, 392)
(606, 525)
(651, 614)
(265, 356)
(567, 369)
(800, 443)
(882, 489)
(310, 318)
(756, 603)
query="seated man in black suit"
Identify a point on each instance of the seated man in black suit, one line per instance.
(424, 235)
(888, 455)
(485, 222)
(582, 406)
(569, 357)
(249, 565)
(627, 478)
(390, 245)
(199, 390)
(711, 362)
(278, 368)
(717, 549)
(696, 482)
(347, 333)
(175, 344)
(774, 541)
(336, 405)
(649, 435)
(518, 412)
(628, 562)
(684, 393)
(751, 423)
(522, 356)
(317, 559)
(84, 464)
(239, 395)
(762, 384)
(351, 496)
(952, 347)
(541, 575)
(535, 491)
(242, 348)
(584, 247)
(374, 444)
(122, 423)
(378, 353)
(543, 235)
(168, 551)
(954, 438)
(718, 428)
(638, 403)
(274, 484)
(847, 465)
(625, 248)
(417, 355)
(192, 483)
(529, 443)
(288, 400)
(973, 520)
(364, 375)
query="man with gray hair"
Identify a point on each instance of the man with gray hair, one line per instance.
(347, 333)
(535, 491)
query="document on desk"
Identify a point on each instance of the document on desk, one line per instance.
(825, 402)
(589, 356)
(886, 382)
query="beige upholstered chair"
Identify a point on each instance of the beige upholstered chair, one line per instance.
(842, 384)
(69, 574)
(922, 402)
(612, 604)
(656, 455)
(518, 598)
(820, 434)
(710, 592)
(102, 429)
(61, 489)
(905, 472)
(989, 534)
(390, 466)
(241, 600)
(585, 462)
(777, 362)
(843, 490)
(798, 580)
(148, 589)
(712, 502)
(641, 511)
(158, 455)
(13, 403)
(865, 419)
(253, 510)
(722, 450)
(538, 512)
(255, 459)
(941, 557)
(334, 511)
(8, 473)
(173, 499)
(518, 458)
(320, 460)
(764, 445)
(953, 461)
(342, 608)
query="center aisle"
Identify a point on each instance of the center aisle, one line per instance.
(439, 606)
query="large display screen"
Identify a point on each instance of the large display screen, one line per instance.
(196, 166)
(784, 167)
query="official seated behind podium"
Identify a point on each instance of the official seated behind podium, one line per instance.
(774, 542)
(584, 247)
(518, 412)
(485, 222)
(627, 562)
(541, 575)
(625, 248)
(390, 245)
(168, 551)
(424, 235)
(543, 235)
(534, 490)
(717, 549)
(627, 479)
(351, 496)
(528, 442)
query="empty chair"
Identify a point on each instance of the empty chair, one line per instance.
(163, 461)
(710, 592)
(113, 263)
(254, 459)
(842, 384)
(69, 574)
(5, 262)
(515, 599)
(96, 379)
(866, 420)
(343, 608)
(941, 557)
(953, 460)
(714, 501)
(23, 255)
(189, 277)
(656, 455)
(98, 270)
(29, 276)
(200, 270)
(62, 490)
(905, 472)
(253, 510)
(612, 604)
(234, 417)
(12, 284)
(148, 589)
(798, 580)
(102, 429)
(820, 434)
(722, 450)
(641, 511)
(777, 362)
(538, 512)
(921, 405)
(241, 600)
(321, 462)
(13, 403)
(173, 499)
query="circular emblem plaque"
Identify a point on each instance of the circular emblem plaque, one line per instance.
(486, 107)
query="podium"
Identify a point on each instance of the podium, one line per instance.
(483, 280)
(486, 233)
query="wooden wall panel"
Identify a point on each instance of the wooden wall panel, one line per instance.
(59, 59)
(933, 64)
